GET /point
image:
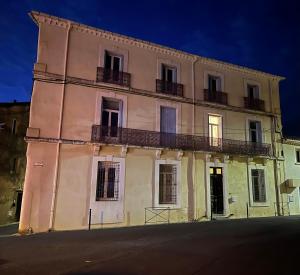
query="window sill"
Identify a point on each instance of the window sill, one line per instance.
(297, 163)
(259, 204)
(168, 206)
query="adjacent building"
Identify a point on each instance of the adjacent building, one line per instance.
(13, 124)
(126, 132)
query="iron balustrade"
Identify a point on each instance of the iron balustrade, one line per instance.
(144, 138)
(169, 88)
(215, 96)
(254, 104)
(113, 77)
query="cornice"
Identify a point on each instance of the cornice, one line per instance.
(291, 141)
(39, 17)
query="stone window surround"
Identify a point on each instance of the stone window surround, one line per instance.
(178, 183)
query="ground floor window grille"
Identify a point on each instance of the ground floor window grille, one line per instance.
(258, 185)
(167, 184)
(108, 175)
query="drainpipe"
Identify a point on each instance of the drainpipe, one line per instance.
(273, 138)
(53, 202)
(193, 133)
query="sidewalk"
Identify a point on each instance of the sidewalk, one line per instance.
(9, 229)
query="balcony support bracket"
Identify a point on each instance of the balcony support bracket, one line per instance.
(158, 154)
(124, 151)
(97, 149)
(179, 155)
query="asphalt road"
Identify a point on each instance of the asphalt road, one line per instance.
(254, 246)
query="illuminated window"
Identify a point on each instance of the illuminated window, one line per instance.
(258, 185)
(107, 180)
(298, 155)
(168, 73)
(215, 130)
(167, 184)
(214, 83)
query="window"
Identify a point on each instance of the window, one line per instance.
(168, 73)
(13, 126)
(298, 155)
(258, 185)
(214, 83)
(214, 130)
(107, 180)
(253, 91)
(112, 62)
(255, 131)
(110, 117)
(167, 184)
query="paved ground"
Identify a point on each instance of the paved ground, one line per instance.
(254, 246)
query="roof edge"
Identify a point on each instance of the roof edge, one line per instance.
(35, 14)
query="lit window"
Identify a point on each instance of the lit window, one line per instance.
(167, 184)
(215, 130)
(107, 180)
(258, 185)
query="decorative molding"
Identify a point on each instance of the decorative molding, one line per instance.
(97, 149)
(179, 155)
(158, 153)
(124, 150)
(226, 159)
(60, 22)
(207, 157)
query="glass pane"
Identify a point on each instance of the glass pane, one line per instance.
(105, 116)
(100, 181)
(170, 75)
(214, 120)
(219, 171)
(111, 183)
(114, 124)
(211, 171)
(116, 63)
(107, 62)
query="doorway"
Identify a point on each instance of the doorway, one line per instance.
(216, 190)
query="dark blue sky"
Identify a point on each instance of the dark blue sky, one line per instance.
(263, 35)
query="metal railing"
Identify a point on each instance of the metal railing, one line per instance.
(113, 77)
(157, 215)
(254, 104)
(215, 96)
(144, 138)
(169, 88)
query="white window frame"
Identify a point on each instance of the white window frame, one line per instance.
(257, 136)
(177, 106)
(171, 68)
(170, 63)
(215, 74)
(107, 211)
(220, 127)
(98, 107)
(113, 55)
(116, 50)
(252, 202)
(252, 83)
(247, 128)
(178, 184)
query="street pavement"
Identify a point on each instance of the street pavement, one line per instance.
(235, 247)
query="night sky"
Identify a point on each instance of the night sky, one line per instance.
(263, 35)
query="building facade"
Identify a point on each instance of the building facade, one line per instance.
(290, 187)
(126, 132)
(14, 118)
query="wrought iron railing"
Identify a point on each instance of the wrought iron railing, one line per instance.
(144, 138)
(215, 96)
(254, 103)
(169, 88)
(157, 215)
(113, 77)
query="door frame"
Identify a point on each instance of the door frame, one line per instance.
(225, 186)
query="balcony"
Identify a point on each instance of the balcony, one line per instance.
(254, 104)
(169, 88)
(215, 96)
(113, 77)
(135, 137)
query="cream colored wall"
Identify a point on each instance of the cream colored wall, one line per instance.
(292, 169)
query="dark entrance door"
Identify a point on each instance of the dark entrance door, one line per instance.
(216, 190)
